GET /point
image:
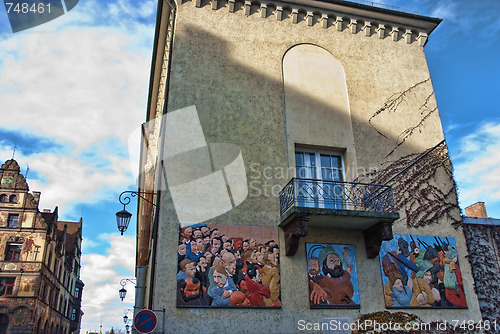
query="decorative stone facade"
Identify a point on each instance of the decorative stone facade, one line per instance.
(39, 261)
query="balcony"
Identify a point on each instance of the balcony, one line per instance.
(362, 207)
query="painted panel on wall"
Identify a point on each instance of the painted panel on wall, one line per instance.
(228, 266)
(333, 277)
(421, 271)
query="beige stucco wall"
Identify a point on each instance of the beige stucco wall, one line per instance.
(230, 67)
(317, 108)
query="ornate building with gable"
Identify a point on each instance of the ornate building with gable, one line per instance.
(40, 289)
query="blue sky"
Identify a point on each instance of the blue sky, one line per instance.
(72, 91)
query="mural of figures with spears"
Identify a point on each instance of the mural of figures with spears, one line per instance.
(333, 278)
(228, 266)
(421, 271)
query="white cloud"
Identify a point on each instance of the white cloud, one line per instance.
(477, 168)
(68, 182)
(78, 86)
(82, 80)
(446, 10)
(101, 274)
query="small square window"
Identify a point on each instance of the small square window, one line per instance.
(7, 286)
(13, 252)
(13, 220)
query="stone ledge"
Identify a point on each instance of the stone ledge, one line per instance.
(375, 226)
(398, 26)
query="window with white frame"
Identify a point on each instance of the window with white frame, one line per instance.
(320, 175)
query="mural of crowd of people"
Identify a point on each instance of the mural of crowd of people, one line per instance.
(421, 271)
(228, 266)
(333, 278)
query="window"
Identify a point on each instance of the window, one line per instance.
(7, 286)
(13, 199)
(77, 292)
(42, 291)
(13, 220)
(73, 314)
(36, 251)
(13, 251)
(49, 261)
(4, 198)
(4, 323)
(47, 294)
(320, 176)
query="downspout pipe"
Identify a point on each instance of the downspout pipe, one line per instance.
(158, 198)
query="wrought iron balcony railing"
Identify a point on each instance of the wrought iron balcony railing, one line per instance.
(338, 195)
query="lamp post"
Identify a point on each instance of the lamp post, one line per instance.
(126, 319)
(123, 292)
(123, 216)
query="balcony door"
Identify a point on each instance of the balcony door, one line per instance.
(318, 179)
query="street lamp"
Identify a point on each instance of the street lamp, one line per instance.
(123, 216)
(122, 292)
(126, 320)
(123, 219)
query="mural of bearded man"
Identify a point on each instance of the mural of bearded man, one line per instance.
(333, 284)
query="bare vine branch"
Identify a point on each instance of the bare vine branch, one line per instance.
(393, 103)
(416, 191)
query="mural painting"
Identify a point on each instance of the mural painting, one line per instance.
(228, 266)
(333, 277)
(421, 271)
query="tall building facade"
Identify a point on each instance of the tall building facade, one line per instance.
(39, 262)
(337, 148)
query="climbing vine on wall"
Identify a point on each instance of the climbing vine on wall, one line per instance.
(393, 103)
(482, 244)
(416, 189)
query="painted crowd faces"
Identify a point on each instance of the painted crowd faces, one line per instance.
(217, 262)
(421, 271)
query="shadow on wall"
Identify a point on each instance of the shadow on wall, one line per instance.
(237, 101)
